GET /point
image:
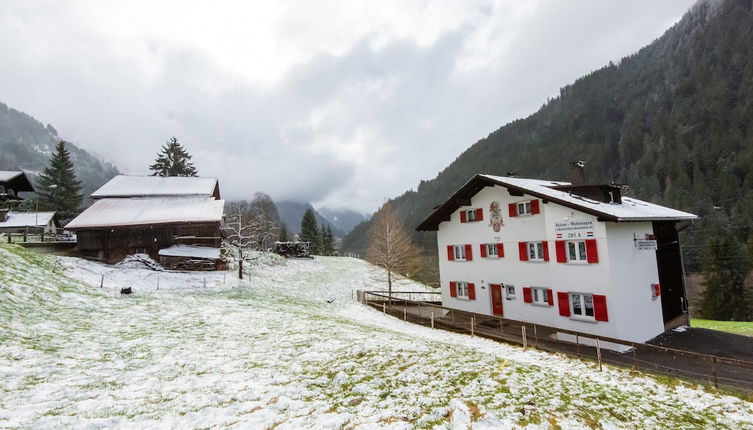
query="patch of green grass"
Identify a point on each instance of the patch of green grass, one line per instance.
(738, 327)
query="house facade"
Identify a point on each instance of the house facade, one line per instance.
(576, 257)
(147, 214)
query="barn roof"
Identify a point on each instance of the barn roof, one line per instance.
(629, 209)
(107, 212)
(16, 180)
(30, 219)
(152, 186)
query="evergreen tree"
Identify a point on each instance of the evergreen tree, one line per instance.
(283, 237)
(328, 241)
(310, 232)
(58, 188)
(322, 240)
(725, 267)
(173, 160)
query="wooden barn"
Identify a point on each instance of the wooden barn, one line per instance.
(12, 183)
(146, 214)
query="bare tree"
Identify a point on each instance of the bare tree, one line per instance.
(237, 239)
(390, 247)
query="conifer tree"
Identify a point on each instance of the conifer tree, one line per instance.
(328, 241)
(173, 160)
(310, 232)
(283, 237)
(58, 188)
(725, 267)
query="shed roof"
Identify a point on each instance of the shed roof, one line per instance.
(629, 209)
(191, 251)
(107, 212)
(152, 186)
(16, 180)
(27, 219)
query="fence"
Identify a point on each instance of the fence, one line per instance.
(32, 235)
(424, 308)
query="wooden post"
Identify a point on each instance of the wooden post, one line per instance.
(502, 326)
(384, 308)
(157, 282)
(432, 319)
(102, 281)
(535, 337)
(634, 359)
(405, 313)
(713, 371)
(577, 344)
(473, 323)
(598, 353)
(523, 331)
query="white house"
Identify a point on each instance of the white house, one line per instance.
(575, 257)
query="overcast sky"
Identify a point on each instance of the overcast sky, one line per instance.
(342, 104)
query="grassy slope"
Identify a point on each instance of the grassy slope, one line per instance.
(737, 327)
(274, 353)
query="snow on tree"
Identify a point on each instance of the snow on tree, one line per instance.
(58, 188)
(390, 246)
(237, 241)
(264, 220)
(173, 160)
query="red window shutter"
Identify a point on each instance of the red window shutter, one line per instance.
(468, 253)
(479, 214)
(600, 308)
(483, 250)
(549, 297)
(563, 301)
(450, 252)
(592, 255)
(462, 216)
(513, 208)
(527, 295)
(559, 249)
(453, 289)
(523, 251)
(500, 250)
(546, 250)
(471, 291)
(535, 207)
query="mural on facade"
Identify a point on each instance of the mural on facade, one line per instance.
(495, 216)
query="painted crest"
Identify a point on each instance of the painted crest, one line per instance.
(495, 216)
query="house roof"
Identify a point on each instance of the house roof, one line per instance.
(30, 219)
(16, 180)
(191, 251)
(629, 209)
(153, 186)
(107, 212)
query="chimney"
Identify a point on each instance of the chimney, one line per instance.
(578, 172)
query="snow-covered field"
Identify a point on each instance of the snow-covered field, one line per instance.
(271, 352)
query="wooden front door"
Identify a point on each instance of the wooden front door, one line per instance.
(496, 299)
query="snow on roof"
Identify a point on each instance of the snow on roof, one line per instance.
(7, 175)
(629, 210)
(30, 219)
(191, 251)
(148, 210)
(145, 186)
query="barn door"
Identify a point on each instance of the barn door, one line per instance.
(496, 299)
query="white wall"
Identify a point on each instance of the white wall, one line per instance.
(622, 274)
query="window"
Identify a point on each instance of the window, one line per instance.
(524, 208)
(536, 251)
(459, 252)
(510, 292)
(462, 290)
(470, 215)
(491, 250)
(576, 251)
(582, 305)
(539, 296)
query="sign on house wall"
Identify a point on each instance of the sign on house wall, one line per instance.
(495, 216)
(645, 245)
(574, 229)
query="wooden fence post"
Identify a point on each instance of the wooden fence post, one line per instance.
(713, 371)
(405, 313)
(432, 319)
(384, 308)
(535, 337)
(598, 353)
(102, 281)
(523, 331)
(157, 282)
(473, 322)
(577, 345)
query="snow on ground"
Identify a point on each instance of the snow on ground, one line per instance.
(205, 351)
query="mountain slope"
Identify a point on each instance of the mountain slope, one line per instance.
(291, 214)
(344, 219)
(672, 121)
(26, 144)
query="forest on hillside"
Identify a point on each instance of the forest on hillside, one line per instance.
(671, 121)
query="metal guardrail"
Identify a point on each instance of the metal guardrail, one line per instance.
(423, 308)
